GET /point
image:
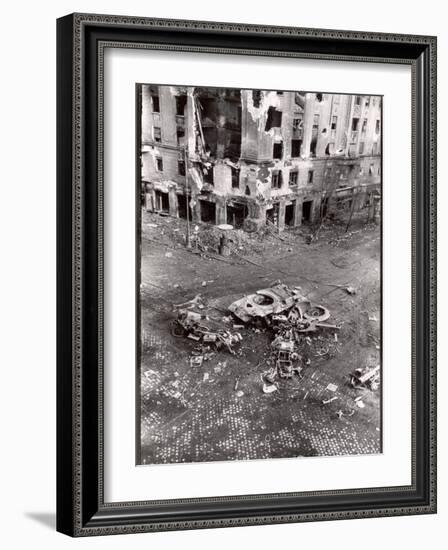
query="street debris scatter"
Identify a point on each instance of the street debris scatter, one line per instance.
(367, 377)
(189, 324)
(267, 358)
(297, 325)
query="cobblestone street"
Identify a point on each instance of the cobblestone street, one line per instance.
(218, 411)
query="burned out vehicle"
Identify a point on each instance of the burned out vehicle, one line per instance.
(277, 305)
(265, 302)
(189, 324)
(290, 316)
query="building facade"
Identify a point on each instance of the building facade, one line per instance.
(251, 157)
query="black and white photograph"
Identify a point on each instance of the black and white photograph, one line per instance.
(259, 274)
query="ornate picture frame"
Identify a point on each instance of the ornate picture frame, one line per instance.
(81, 506)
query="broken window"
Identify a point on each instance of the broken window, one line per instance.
(314, 133)
(293, 177)
(297, 127)
(210, 140)
(220, 120)
(354, 135)
(180, 137)
(256, 97)
(364, 126)
(159, 164)
(299, 99)
(361, 148)
(157, 134)
(319, 97)
(155, 104)
(358, 100)
(181, 167)
(310, 176)
(233, 145)
(278, 150)
(276, 179)
(247, 191)
(371, 169)
(274, 119)
(181, 101)
(334, 122)
(296, 145)
(235, 177)
(367, 102)
(377, 126)
(208, 109)
(208, 175)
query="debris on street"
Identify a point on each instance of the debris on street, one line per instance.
(188, 324)
(330, 400)
(291, 317)
(196, 360)
(286, 358)
(367, 377)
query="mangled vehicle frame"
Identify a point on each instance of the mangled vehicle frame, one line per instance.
(280, 308)
(290, 315)
(279, 305)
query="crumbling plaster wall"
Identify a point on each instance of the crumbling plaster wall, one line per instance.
(261, 127)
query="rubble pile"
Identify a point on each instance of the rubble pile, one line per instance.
(206, 238)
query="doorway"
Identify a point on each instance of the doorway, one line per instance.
(289, 214)
(208, 212)
(162, 201)
(236, 214)
(306, 211)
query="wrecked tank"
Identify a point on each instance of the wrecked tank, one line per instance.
(274, 303)
(266, 302)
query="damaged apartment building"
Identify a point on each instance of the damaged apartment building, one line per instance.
(249, 157)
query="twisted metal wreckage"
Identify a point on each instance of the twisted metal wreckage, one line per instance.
(290, 316)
